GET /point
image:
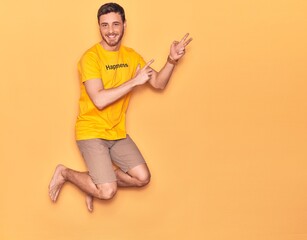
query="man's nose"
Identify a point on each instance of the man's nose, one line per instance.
(111, 29)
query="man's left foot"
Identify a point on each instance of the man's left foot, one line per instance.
(89, 202)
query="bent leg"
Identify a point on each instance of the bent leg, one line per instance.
(96, 154)
(138, 176)
(83, 181)
(133, 170)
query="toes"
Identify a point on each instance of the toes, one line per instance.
(56, 196)
(53, 193)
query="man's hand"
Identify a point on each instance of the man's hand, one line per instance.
(144, 74)
(178, 48)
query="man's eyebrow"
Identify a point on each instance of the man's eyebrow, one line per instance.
(110, 23)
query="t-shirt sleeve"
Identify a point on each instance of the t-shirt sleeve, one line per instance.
(89, 67)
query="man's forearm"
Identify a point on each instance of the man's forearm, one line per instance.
(162, 77)
(177, 50)
(105, 97)
(102, 97)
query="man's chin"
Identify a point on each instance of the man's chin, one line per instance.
(112, 44)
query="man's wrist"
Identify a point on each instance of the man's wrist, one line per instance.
(171, 60)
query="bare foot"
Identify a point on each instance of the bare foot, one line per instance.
(56, 182)
(89, 202)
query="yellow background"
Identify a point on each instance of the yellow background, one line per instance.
(226, 141)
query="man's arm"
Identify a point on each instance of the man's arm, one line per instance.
(104, 97)
(160, 79)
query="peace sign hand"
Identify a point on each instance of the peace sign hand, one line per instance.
(178, 48)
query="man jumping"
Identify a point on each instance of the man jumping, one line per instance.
(109, 72)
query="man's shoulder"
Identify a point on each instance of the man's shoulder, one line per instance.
(93, 49)
(91, 54)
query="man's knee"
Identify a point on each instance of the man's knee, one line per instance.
(143, 179)
(106, 192)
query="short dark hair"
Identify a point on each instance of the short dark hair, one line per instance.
(111, 7)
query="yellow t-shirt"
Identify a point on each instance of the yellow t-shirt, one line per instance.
(113, 68)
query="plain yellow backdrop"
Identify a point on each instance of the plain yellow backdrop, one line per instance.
(225, 142)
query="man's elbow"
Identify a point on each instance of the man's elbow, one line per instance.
(100, 105)
(161, 87)
(158, 86)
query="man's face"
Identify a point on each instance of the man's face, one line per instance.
(111, 30)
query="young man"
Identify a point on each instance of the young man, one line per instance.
(109, 72)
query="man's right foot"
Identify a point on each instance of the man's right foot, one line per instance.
(56, 182)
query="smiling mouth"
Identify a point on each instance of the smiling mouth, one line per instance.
(112, 36)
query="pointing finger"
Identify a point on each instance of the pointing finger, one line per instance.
(149, 63)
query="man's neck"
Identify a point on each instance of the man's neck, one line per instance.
(110, 48)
